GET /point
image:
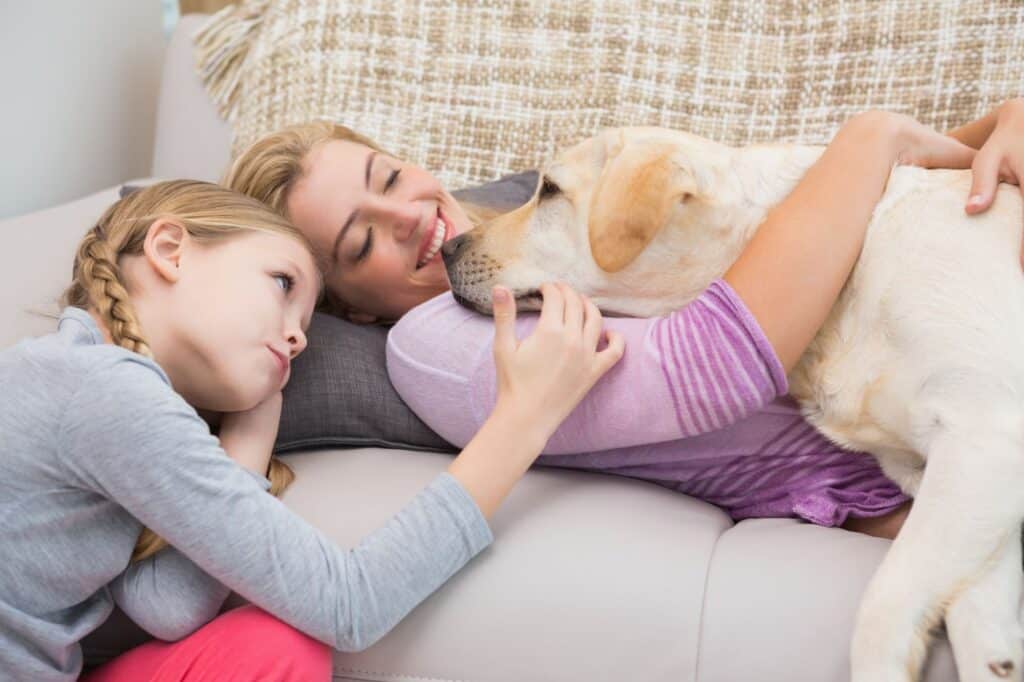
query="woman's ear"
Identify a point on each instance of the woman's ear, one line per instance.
(164, 247)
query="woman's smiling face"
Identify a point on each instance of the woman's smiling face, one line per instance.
(377, 224)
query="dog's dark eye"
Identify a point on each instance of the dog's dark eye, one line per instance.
(548, 188)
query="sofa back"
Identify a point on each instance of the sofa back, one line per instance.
(474, 90)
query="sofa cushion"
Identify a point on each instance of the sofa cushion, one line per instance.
(39, 249)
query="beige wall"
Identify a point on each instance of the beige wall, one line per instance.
(79, 83)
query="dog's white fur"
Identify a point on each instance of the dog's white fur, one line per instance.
(921, 359)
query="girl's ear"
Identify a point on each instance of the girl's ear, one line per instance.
(165, 244)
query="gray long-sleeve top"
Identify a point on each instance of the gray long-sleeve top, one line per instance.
(94, 443)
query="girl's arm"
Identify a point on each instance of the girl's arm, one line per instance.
(167, 595)
(127, 436)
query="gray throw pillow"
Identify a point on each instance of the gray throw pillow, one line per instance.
(339, 394)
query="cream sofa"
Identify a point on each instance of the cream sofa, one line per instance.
(591, 577)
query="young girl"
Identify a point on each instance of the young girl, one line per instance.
(187, 296)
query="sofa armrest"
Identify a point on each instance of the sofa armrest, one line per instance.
(192, 141)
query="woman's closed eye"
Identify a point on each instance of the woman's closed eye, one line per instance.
(367, 245)
(392, 179)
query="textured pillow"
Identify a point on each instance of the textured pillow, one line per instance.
(471, 88)
(339, 394)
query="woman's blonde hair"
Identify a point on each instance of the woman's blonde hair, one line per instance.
(208, 213)
(269, 169)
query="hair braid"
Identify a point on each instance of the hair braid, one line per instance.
(209, 213)
(101, 279)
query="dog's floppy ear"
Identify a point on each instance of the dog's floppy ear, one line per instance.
(637, 189)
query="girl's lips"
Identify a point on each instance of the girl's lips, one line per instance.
(282, 364)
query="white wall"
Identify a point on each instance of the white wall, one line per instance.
(78, 92)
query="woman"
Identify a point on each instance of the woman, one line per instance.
(372, 220)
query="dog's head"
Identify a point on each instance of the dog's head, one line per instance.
(624, 217)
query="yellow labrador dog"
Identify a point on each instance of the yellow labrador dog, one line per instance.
(919, 362)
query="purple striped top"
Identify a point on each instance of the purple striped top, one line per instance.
(697, 403)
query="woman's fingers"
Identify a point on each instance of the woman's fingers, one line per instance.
(984, 180)
(504, 322)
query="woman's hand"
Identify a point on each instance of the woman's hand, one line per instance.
(915, 143)
(1000, 159)
(547, 374)
(248, 437)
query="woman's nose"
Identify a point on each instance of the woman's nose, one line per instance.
(403, 217)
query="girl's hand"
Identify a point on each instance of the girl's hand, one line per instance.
(1000, 159)
(544, 376)
(248, 437)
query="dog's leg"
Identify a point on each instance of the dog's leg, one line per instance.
(967, 506)
(983, 622)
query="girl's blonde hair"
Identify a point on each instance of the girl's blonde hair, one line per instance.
(209, 213)
(269, 169)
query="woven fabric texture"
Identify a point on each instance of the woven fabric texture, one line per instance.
(471, 89)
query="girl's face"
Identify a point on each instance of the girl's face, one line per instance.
(225, 320)
(378, 223)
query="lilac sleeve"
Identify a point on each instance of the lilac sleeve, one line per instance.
(695, 371)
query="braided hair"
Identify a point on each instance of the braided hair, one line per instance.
(208, 212)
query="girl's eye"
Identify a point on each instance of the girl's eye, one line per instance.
(285, 280)
(367, 245)
(392, 179)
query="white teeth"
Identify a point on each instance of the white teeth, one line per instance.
(435, 243)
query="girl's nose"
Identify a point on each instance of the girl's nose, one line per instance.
(296, 341)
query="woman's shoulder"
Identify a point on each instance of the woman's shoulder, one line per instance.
(439, 336)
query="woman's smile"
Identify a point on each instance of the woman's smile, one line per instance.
(430, 245)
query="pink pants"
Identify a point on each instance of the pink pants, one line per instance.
(242, 645)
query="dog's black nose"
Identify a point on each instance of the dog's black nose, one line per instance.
(453, 247)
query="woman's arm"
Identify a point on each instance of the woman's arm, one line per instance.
(691, 372)
(792, 271)
(975, 133)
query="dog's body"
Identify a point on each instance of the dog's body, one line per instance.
(920, 360)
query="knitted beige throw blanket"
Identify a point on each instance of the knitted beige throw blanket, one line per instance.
(472, 89)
